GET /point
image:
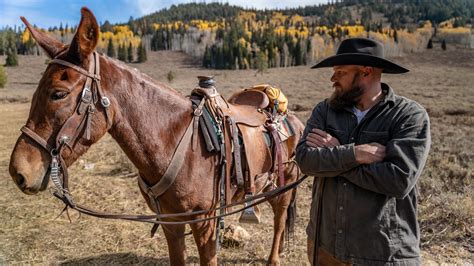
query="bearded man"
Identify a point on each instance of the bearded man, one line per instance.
(366, 148)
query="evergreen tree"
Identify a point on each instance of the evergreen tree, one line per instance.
(106, 27)
(3, 77)
(207, 58)
(262, 62)
(12, 58)
(430, 44)
(110, 49)
(141, 51)
(122, 53)
(297, 54)
(130, 53)
(125, 53)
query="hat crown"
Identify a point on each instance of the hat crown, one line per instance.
(361, 46)
(361, 52)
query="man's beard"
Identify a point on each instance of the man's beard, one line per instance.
(341, 100)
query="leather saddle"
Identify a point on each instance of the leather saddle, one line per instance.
(244, 123)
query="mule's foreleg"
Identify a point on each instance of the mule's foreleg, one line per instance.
(176, 245)
(204, 236)
(279, 207)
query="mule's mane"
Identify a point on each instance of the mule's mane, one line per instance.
(145, 81)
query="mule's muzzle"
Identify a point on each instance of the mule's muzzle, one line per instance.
(25, 184)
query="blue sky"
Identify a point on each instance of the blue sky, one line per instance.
(46, 13)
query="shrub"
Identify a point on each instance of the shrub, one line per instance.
(142, 57)
(3, 77)
(12, 58)
(171, 75)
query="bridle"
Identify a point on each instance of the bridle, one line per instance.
(81, 121)
(74, 125)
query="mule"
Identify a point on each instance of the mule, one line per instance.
(147, 119)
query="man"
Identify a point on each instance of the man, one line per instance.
(366, 147)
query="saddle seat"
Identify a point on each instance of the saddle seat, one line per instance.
(257, 99)
(243, 109)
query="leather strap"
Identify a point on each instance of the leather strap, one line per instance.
(75, 67)
(226, 149)
(195, 122)
(39, 140)
(173, 168)
(237, 151)
(157, 219)
(279, 162)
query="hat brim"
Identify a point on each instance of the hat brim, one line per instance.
(362, 60)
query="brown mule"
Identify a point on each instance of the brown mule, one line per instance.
(146, 119)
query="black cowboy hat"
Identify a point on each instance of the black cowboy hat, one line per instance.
(362, 52)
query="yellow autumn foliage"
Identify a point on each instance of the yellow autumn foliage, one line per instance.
(120, 35)
(246, 15)
(278, 18)
(25, 36)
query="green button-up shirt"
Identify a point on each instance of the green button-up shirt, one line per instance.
(369, 211)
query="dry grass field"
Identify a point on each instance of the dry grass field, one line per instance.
(32, 233)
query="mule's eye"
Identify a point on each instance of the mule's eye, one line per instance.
(58, 95)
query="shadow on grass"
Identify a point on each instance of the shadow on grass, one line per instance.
(131, 258)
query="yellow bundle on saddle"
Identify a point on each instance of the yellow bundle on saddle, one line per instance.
(275, 95)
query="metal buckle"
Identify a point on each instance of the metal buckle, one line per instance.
(105, 102)
(86, 95)
(198, 112)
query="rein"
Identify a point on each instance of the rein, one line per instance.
(81, 120)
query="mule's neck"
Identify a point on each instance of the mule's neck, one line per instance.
(149, 118)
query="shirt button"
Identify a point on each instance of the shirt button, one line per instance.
(344, 184)
(339, 231)
(341, 208)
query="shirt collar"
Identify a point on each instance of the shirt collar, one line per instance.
(388, 92)
(389, 97)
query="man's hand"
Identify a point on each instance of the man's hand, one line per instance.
(320, 139)
(369, 153)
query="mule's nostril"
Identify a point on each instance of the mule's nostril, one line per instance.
(20, 180)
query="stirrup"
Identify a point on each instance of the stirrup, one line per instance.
(250, 215)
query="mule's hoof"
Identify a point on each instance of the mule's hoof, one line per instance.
(250, 216)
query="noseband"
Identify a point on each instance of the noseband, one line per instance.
(74, 125)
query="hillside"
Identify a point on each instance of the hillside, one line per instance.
(223, 36)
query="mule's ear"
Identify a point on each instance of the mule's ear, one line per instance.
(50, 45)
(86, 37)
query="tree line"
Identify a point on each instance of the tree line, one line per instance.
(230, 37)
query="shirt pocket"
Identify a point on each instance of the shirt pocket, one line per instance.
(380, 137)
(340, 135)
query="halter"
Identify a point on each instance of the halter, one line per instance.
(74, 125)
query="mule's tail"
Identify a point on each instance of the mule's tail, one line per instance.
(291, 217)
